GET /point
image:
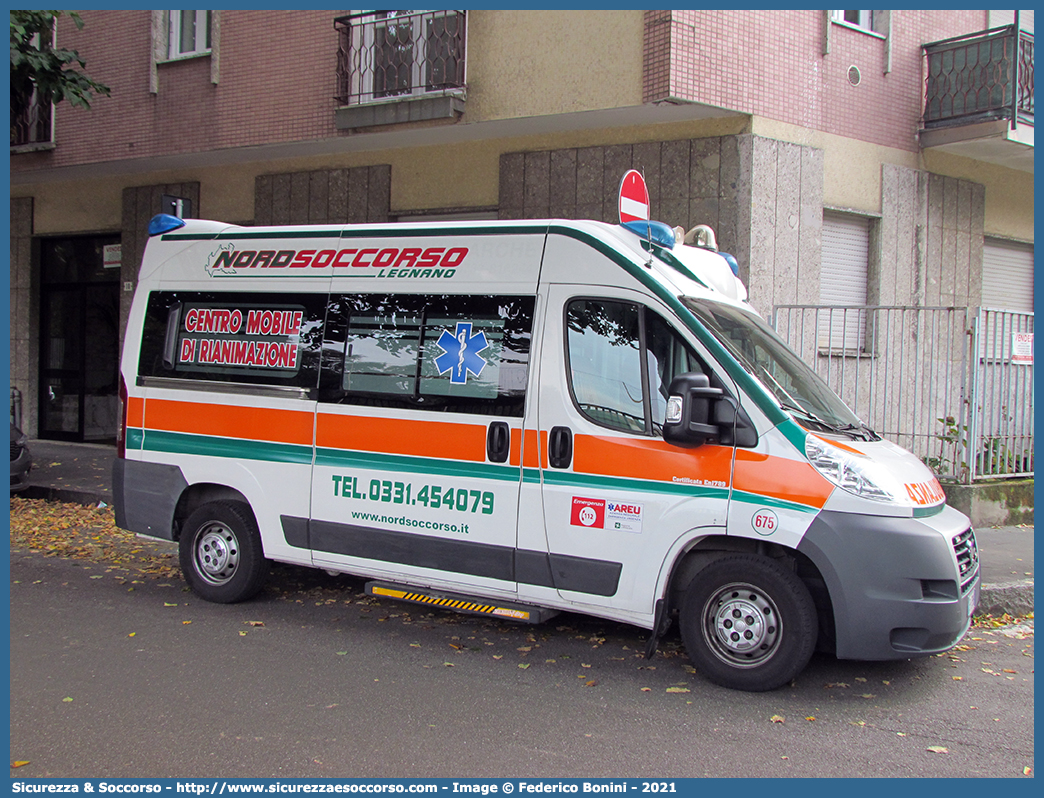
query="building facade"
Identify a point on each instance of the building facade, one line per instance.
(846, 158)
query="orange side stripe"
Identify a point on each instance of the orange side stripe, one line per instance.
(446, 440)
(531, 452)
(791, 480)
(515, 456)
(135, 411)
(230, 421)
(649, 459)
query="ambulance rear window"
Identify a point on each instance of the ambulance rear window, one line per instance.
(233, 337)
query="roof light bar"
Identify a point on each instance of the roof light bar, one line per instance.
(660, 233)
(163, 223)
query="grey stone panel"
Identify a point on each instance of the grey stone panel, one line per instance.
(318, 197)
(922, 244)
(379, 194)
(674, 172)
(810, 226)
(358, 188)
(281, 199)
(947, 267)
(22, 324)
(735, 193)
(705, 163)
(977, 221)
(562, 178)
(510, 213)
(618, 159)
(762, 224)
(674, 212)
(786, 232)
(706, 210)
(512, 179)
(589, 210)
(299, 198)
(590, 163)
(537, 183)
(263, 200)
(561, 212)
(963, 266)
(933, 262)
(647, 158)
(338, 196)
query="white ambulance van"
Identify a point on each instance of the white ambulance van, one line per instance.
(519, 418)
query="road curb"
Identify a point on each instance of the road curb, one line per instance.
(1008, 598)
(63, 495)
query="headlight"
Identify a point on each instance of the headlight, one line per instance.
(855, 473)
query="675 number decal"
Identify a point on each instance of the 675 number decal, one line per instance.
(461, 500)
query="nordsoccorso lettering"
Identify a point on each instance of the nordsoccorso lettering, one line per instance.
(389, 262)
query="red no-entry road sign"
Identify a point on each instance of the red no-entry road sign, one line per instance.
(634, 198)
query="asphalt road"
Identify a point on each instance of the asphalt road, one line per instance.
(115, 676)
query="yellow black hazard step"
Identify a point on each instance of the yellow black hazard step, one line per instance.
(470, 606)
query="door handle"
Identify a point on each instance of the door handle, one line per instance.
(560, 447)
(498, 442)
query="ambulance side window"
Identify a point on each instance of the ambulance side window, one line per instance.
(605, 365)
(615, 349)
(461, 354)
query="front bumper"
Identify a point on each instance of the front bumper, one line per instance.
(900, 587)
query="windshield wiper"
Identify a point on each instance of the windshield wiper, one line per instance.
(860, 430)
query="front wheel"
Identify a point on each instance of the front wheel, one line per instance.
(748, 623)
(220, 552)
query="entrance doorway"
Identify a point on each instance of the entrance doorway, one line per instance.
(79, 338)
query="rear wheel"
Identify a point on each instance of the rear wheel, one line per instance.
(220, 552)
(748, 623)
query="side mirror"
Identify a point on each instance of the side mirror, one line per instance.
(688, 421)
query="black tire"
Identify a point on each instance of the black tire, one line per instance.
(748, 623)
(220, 552)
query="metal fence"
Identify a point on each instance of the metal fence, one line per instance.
(953, 385)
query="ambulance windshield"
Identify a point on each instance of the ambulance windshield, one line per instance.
(797, 388)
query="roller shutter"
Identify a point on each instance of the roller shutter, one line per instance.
(842, 281)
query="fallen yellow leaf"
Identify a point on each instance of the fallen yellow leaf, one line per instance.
(938, 749)
(678, 690)
(778, 719)
(23, 762)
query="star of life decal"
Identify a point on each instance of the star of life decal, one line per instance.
(460, 353)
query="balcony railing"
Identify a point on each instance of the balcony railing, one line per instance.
(399, 54)
(970, 78)
(32, 126)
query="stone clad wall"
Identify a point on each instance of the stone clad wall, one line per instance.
(764, 199)
(328, 196)
(25, 309)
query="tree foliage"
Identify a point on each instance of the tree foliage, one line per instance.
(55, 73)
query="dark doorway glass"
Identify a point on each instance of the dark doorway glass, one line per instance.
(79, 339)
